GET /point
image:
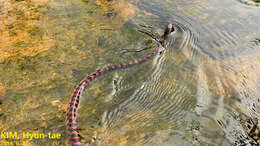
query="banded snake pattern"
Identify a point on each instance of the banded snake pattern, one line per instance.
(72, 112)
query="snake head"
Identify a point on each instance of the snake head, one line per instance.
(168, 30)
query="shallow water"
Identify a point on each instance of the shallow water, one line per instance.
(202, 90)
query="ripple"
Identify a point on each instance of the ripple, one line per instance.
(165, 96)
(197, 72)
(250, 2)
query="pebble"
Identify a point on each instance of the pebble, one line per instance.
(10, 26)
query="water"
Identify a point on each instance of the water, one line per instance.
(202, 90)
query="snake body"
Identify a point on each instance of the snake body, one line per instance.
(72, 112)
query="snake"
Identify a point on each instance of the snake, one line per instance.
(73, 107)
